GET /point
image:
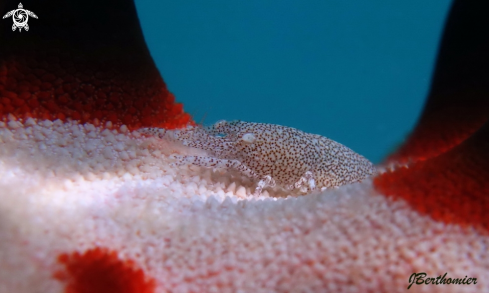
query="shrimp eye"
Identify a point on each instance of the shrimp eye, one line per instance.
(220, 123)
(248, 138)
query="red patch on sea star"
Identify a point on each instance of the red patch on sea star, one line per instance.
(87, 90)
(452, 188)
(101, 271)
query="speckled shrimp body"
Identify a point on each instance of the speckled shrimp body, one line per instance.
(274, 154)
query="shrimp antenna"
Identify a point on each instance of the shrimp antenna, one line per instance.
(202, 120)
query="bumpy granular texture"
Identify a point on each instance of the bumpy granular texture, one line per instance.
(452, 188)
(75, 187)
(273, 153)
(101, 271)
(69, 187)
(60, 86)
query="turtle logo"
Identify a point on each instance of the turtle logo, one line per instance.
(20, 17)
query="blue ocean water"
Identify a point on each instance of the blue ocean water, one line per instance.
(355, 71)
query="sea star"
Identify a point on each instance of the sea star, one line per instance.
(89, 206)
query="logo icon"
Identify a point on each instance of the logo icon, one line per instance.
(20, 17)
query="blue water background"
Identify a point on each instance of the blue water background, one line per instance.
(355, 71)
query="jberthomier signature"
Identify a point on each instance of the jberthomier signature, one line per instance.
(420, 279)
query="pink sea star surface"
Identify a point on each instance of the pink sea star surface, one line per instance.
(73, 187)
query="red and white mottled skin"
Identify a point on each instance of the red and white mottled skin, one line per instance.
(274, 154)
